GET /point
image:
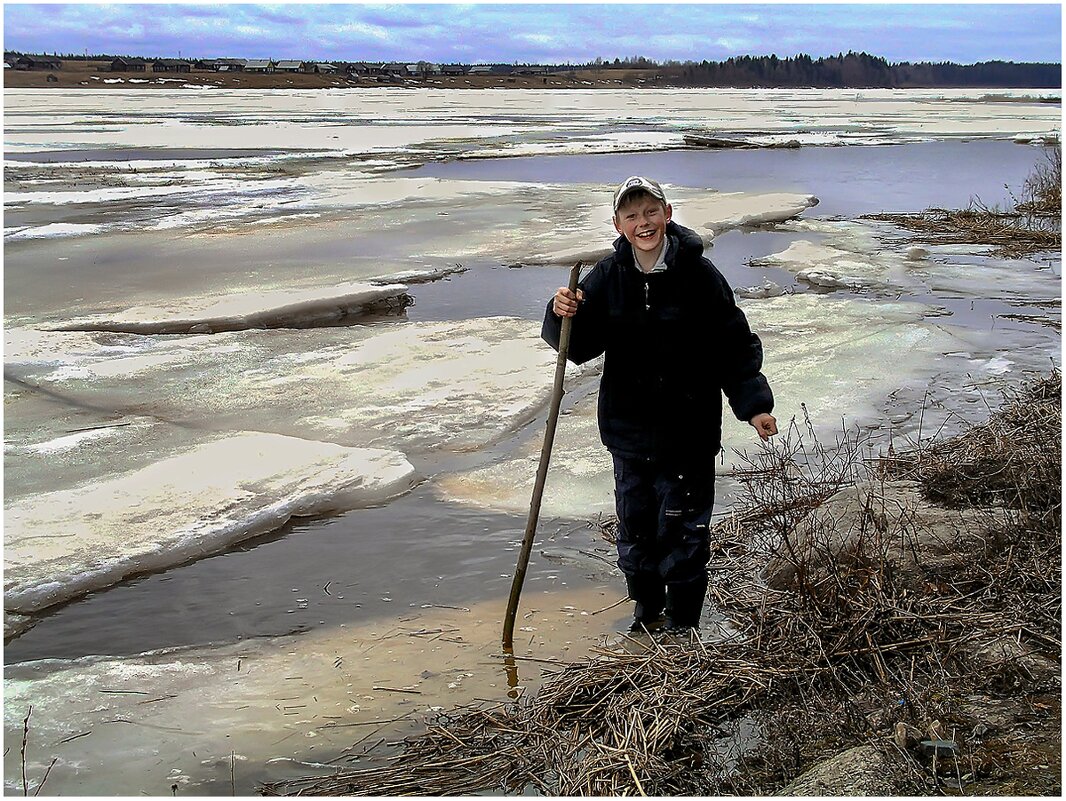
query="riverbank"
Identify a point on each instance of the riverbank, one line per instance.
(891, 628)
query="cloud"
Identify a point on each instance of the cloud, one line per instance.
(554, 33)
(359, 30)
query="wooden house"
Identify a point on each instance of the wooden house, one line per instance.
(532, 69)
(129, 65)
(38, 63)
(364, 68)
(259, 65)
(171, 65)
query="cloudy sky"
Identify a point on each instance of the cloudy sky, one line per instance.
(539, 33)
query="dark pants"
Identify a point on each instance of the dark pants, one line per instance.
(664, 510)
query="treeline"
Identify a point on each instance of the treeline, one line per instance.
(842, 71)
(850, 71)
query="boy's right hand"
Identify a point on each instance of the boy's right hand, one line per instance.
(565, 304)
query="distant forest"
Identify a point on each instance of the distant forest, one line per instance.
(850, 71)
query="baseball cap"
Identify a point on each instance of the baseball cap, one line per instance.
(634, 183)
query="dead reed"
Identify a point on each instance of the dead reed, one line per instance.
(1012, 460)
(1033, 223)
(884, 644)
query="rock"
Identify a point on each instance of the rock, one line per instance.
(942, 749)
(991, 715)
(1005, 654)
(917, 253)
(884, 524)
(695, 140)
(859, 771)
(905, 736)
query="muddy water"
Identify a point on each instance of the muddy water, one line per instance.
(293, 706)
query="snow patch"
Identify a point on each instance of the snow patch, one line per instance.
(70, 442)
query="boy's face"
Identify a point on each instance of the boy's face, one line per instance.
(642, 221)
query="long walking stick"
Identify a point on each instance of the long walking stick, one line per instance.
(542, 474)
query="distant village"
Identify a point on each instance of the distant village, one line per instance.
(850, 70)
(421, 69)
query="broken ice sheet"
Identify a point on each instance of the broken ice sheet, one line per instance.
(580, 214)
(854, 255)
(292, 307)
(65, 543)
(817, 352)
(452, 385)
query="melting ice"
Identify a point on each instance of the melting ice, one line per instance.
(165, 397)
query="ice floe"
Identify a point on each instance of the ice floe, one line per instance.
(852, 255)
(68, 442)
(52, 230)
(62, 544)
(767, 289)
(292, 308)
(817, 358)
(370, 131)
(709, 213)
(423, 386)
(379, 118)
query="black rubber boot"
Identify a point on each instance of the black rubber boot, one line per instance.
(650, 595)
(684, 603)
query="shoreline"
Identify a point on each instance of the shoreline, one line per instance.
(905, 677)
(92, 75)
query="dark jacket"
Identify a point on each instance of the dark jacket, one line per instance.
(674, 341)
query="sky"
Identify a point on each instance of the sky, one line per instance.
(554, 33)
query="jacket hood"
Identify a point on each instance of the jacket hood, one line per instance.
(686, 241)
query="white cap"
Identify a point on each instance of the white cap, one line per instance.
(634, 183)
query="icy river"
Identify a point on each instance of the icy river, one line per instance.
(274, 388)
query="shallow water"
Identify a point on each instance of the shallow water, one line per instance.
(361, 566)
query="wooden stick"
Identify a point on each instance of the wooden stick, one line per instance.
(542, 474)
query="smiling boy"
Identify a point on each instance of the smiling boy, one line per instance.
(673, 341)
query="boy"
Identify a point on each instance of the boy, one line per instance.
(673, 340)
